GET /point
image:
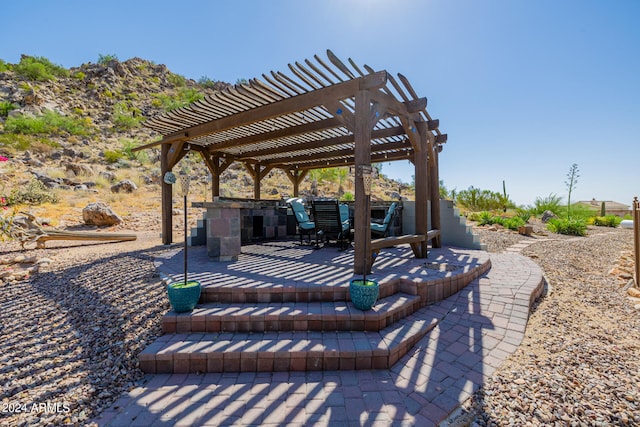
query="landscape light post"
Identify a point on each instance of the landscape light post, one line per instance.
(184, 183)
(636, 239)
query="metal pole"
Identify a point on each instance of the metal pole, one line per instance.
(636, 238)
(185, 240)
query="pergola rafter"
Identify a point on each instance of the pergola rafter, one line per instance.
(322, 114)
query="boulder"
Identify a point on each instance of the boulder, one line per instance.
(109, 176)
(100, 214)
(547, 215)
(79, 169)
(126, 186)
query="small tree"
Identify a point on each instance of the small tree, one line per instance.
(571, 182)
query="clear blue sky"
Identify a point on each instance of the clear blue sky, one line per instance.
(524, 89)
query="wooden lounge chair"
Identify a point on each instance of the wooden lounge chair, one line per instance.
(332, 221)
(382, 229)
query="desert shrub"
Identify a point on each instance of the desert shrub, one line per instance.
(48, 123)
(607, 221)
(79, 75)
(176, 79)
(185, 96)
(39, 69)
(125, 116)
(112, 156)
(34, 193)
(127, 150)
(569, 226)
(206, 82)
(476, 199)
(5, 107)
(15, 142)
(348, 197)
(105, 59)
(549, 203)
(4, 66)
(582, 212)
(523, 214)
(513, 223)
(485, 218)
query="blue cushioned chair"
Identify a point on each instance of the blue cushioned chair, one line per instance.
(381, 230)
(305, 225)
(332, 221)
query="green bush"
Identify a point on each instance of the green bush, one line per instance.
(569, 226)
(549, 203)
(24, 142)
(607, 221)
(184, 97)
(476, 199)
(485, 218)
(105, 59)
(513, 223)
(125, 116)
(79, 75)
(5, 107)
(127, 151)
(348, 197)
(35, 193)
(206, 82)
(176, 79)
(579, 211)
(523, 214)
(111, 156)
(39, 69)
(49, 123)
(4, 66)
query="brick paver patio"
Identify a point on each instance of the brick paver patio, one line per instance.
(474, 331)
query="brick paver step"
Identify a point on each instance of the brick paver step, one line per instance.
(287, 351)
(291, 316)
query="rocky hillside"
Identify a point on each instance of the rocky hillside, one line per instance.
(73, 130)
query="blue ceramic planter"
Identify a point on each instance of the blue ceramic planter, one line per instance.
(183, 298)
(364, 296)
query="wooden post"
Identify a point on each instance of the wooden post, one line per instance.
(167, 194)
(435, 195)
(636, 238)
(256, 181)
(362, 215)
(422, 185)
(215, 178)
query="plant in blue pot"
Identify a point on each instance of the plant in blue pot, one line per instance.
(183, 295)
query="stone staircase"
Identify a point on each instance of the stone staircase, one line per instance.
(454, 228)
(261, 327)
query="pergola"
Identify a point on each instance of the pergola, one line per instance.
(322, 114)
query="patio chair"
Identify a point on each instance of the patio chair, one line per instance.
(305, 225)
(382, 229)
(332, 221)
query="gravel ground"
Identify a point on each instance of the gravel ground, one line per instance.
(579, 362)
(72, 332)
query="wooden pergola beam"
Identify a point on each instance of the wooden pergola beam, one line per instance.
(329, 156)
(328, 142)
(348, 161)
(316, 126)
(286, 106)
